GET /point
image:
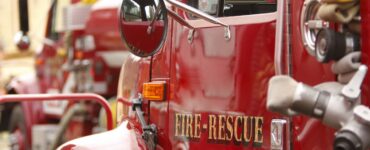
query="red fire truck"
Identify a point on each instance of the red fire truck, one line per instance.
(85, 57)
(229, 74)
(199, 76)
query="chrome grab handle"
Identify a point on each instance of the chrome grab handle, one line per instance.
(279, 36)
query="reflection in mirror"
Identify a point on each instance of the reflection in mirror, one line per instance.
(143, 25)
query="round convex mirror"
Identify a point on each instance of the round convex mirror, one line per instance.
(143, 25)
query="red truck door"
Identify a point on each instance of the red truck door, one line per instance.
(218, 85)
(216, 76)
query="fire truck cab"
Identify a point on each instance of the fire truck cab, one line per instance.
(199, 75)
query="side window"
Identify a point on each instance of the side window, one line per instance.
(219, 8)
(248, 7)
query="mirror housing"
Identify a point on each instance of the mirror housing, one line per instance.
(143, 26)
(22, 40)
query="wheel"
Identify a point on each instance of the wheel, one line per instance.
(6, 109)
(17, 129)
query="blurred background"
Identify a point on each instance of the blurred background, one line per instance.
(9, 24)
(12, 61)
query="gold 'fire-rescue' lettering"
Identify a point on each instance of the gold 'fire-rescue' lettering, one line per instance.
(220, 128)
(187, 125)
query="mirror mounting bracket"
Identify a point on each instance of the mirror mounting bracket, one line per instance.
(146, 19)
(227, 34)
(191, 35)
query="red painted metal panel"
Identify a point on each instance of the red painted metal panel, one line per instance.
(214, 77)
(365, 47)
(306, 69)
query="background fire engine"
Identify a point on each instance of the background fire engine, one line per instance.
(85, 56)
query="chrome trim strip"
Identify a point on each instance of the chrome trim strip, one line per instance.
(288, 61)
(279, 36)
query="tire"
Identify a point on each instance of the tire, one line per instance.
(17, 129)
(6, 109)
(5, 117)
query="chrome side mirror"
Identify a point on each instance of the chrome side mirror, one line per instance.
(143, 26)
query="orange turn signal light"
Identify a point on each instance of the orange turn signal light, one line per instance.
(39, 61)
(154, 91)
(79, 55)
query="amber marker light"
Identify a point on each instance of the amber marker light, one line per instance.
(79, 55)
(154, 91)
(39, 61)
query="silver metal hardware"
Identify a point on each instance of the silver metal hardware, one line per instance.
(227, 33)
(157, 14)
(278, 129)
(191, 35)
(350, 44)
(362, 114)
(310, 24)
(352, 90)
(316, 24)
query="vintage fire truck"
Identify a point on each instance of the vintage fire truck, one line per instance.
(85, 57)
(231, 74)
